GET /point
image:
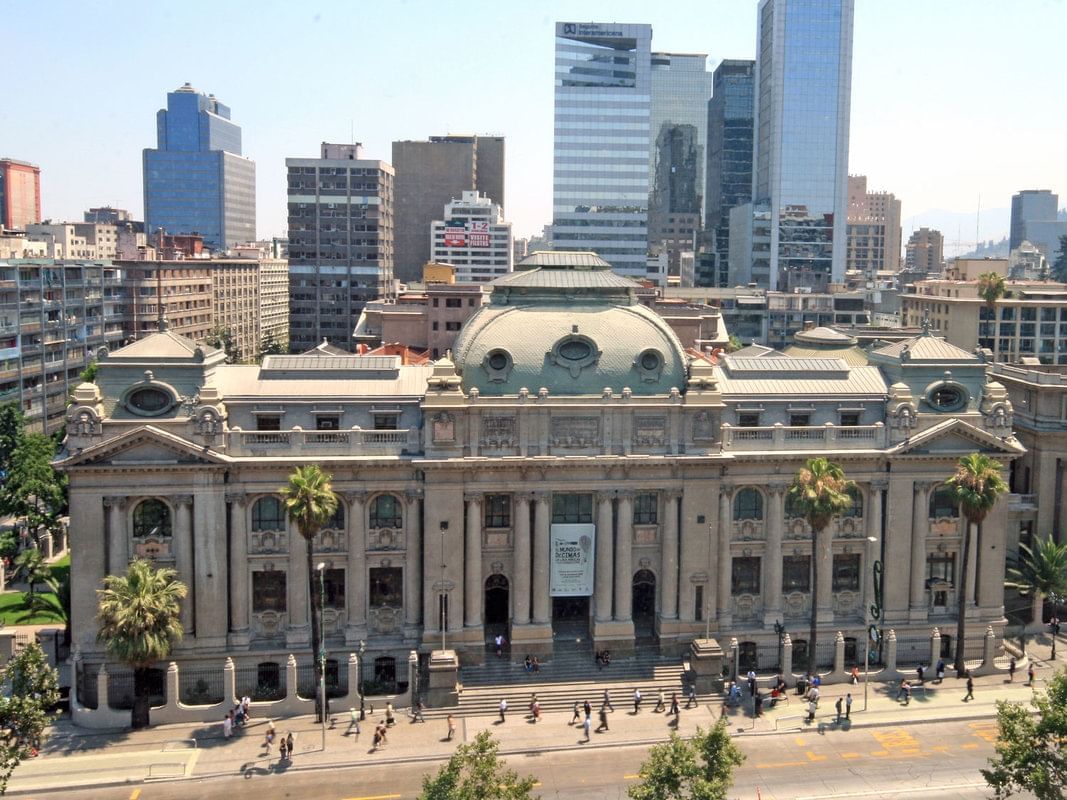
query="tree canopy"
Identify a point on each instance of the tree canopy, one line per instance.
(990, 287)
(32, 491)
(28, 710)
(476, 772)
(1059, 264)
(698, 769)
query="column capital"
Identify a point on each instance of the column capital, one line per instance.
(115, 501)
(413, 495)
(672, 494)
(541, 496)
(237, 498)
(354, 496)
(625, 494)
(726, 488)
(879, 484)
(473, 497)
(778, 488)
(605, 496)
(926, 485)
(181, 500)
(522, 497)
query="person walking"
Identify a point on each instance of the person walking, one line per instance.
(383, 730)
(390, 716)
(607, 702)
(970, 688)
(848, 706)
(920, 671)
(587, 707)
(1031, 673)
(757, 704)
(378, 736)
(268, 736)
(577, 714)
(674, 704)
(499, 642)
(227, 725)
(417, 713)
(838, 706)
(690, 695)
(637, 700)
(290, 745)
(587, 724)
(503, 708)
(940, 670)
(660, 703)
(283, 750)
(812, 706)
(603, 726)
(1011, 670)
(451, 728)
(353, 722)
(751, 682)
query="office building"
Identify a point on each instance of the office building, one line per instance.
(430, 174)
(925, 251)
(250, 302)
(196, 180)
(474, 238)
(106, 215)
(602, 142)
(804, 86)
(20, 194)
(340, 242)
(1030, 205)
(873, 229)
(729, 182)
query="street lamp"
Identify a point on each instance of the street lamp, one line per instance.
(871, 611)
(321, 568)
(359, 680)
(779, 628)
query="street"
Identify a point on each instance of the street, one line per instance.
(935, 760)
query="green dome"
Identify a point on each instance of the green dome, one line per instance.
(566, 323)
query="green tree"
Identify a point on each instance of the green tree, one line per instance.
(270, 346)
(12, 425)
(33, 492)
(976, 484)
(1059, 265)
(223, 339)
(990, 287)
(475, 772)
(88, 375)
(819, 492)
(1040, 571)
(9, 544)
(139, 615)
(31, 566)
(699, 769)
(310, 502)
(27, 711)
(1030, 753)
(734, 344)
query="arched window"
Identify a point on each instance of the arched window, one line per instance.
(268, 514)
(151, 518)
(748, 504)
(943, 503)
(337, 521)
(856, 508)
(792, 507)
(385, 512)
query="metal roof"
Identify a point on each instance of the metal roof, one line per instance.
(559, 278)
(926, 348)
(330, 363)
(800, 384)
(562, 258)
(782, 364)
(236, 382)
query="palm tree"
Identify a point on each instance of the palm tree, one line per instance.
(818, 493)
(31, 565)
(1040, 571)
(990, 287)
(976, 485)
(140, 618)
(311, 502)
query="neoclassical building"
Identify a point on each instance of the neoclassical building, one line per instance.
(568, 471)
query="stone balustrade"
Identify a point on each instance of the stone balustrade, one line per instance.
(818, 437)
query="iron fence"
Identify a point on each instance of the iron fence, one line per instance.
(913, 650)
(201, 686)
(121, 687)
(336, 680)
(262, 682)
(86, 681)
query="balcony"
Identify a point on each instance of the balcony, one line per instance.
(784, 437)
(295, 443)
(1022, 502)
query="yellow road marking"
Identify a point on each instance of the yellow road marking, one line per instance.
(813, 757)
(800, 741)
(880, 753)
(850, 755)
(970, 746)
(630, 777)
(940, 748)
(781, 764)
(135, 794)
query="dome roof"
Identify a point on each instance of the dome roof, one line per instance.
(824, 336)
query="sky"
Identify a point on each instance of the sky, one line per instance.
(956, 104)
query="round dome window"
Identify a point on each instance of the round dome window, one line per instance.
(649, 365)
(497, 364)
(575, 350)
(947, 397)
(149, 401)
(649, 360)
(574, 353)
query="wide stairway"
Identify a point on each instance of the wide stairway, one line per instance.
(570, 674)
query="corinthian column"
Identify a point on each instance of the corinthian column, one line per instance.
(541, 546)
(624, 559)
(238, 571)
(521, 576)
(603, 556)
(117, 540)
(669, 596)
(356, 584)
(413, 559)
(725, 565)
(472, 563)
(772, 555)
(183, 557)
(920, 527)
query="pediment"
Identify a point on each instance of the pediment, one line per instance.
(956, 437)
(145, 445)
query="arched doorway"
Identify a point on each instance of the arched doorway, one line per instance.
(644, 603)
(497, 606)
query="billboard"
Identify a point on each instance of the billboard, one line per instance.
(455, 237)
(479, 233)
(571, 562)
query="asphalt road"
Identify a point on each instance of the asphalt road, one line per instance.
(936, 760)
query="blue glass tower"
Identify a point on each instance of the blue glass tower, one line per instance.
(196, 180)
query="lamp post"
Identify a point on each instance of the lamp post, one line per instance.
(779, 628)
(359, 680)
(321, 568)
(872, 612)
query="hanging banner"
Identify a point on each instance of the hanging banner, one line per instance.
(571, 563)
(455, 236)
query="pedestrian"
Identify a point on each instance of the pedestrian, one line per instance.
(855, 674)
(812, 705)
(587, 707)
(377, 738)
(417, 713)
(660, 703)
(848, 706)
(535, 709)
(1011, 670)
(757, 704)
(451, 728)
(390, 718)
(499, 643)
(637, 700)
(535, 665)
(940, 670)
(246, 707)
(353, 722)
(503, 708)
(603, 726)
(227, 725)
(838, 706)
(690, 695)
(905, 689)
(919, 672)
(289, 742)
(970, 688)
(751, 683)
(268, 736)
(238, 716)
(283, 749)
(577, 714)
(1031, 673)
(607, 702)
(382, 731)
(587, 724)
(674, 704)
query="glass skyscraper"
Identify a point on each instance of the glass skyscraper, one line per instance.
(195, 180)
(601, 153)
(804, 84)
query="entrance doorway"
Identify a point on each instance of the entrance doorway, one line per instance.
(644, 604)
(570, 619)
(497, 607)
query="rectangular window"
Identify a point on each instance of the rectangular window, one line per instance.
(572, 509)
(268, 591)
(498, 511)
(434, 325)
(327, 423)
(268, 422)
(846, 572)
(385, 422)
(452, 326)
(850, 419)
(799, 420)
(646, 508)
(333, 588)
(941, 567)
(745, 575)
(698, 603)
(748, 419)
(453, 302)
(386, 587)
(796, 574)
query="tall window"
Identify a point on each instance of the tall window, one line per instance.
(748, 504)
(151, 518)
(572, 508)
(498, 511)
(943, 503)
(745, 575)
(333, 588)
(796, 574)
(386, 587)
(855, 508)
(846, 572)
(337, 521)
(268, 591)
(268, 514)
(941, 567)
(646, 508)
(385, 512)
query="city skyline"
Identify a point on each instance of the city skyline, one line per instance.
(939, 73)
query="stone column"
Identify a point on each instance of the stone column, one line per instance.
(624, 558)
(604, 555)
(542, 607)
(521, 576)
(472, 563)
(823, 550)
(772, 555)
(296, 584)
(920, 527)
(356, 583)
(725, 565)
(118, 542)
(238, 569)
(183, 557)
(413, 559)
(669, 595)
(972, 562)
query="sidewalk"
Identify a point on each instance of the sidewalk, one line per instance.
(76, 758)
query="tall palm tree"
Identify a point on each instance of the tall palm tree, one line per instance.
(1040, 571)
(140, 618)
(990, 287)
(819, 492)
(310, 502)
(977, 484)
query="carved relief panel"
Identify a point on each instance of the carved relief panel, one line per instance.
(577, 432)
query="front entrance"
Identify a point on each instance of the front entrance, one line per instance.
(497, 607)
(570, 619)
(644, 604)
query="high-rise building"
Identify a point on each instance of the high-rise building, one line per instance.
(678, 134)
(925, 251)
(873, 229)
(1034, 219)
(340, 242)
(20, 194)
(474, 238)
(196, 180)
(601, 153)
(428, 176)
(804, 80)
(729, 182)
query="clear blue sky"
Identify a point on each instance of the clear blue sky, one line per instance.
(951, 99)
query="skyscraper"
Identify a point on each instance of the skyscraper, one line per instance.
(340, 242)
(873, 229)
(1030, 205)
(925, 251)
(195, 180)
(601, 153)
(20, 194)
(430, 175)
(804, 84)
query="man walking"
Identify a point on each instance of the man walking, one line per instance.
(503, 708)
(690, 696)
(837, 707)
(751, 683)
(1031, 673)
(637, 700)
(603, 726)
(661, 703)
(1011, 670)
(586, 725)
(607, 702)
(577, 714)
(970, 688)
(353, 722)
(848, 706)
(588, 709)
(674, 705)
(451, 728)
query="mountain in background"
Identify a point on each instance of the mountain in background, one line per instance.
(958, 227)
